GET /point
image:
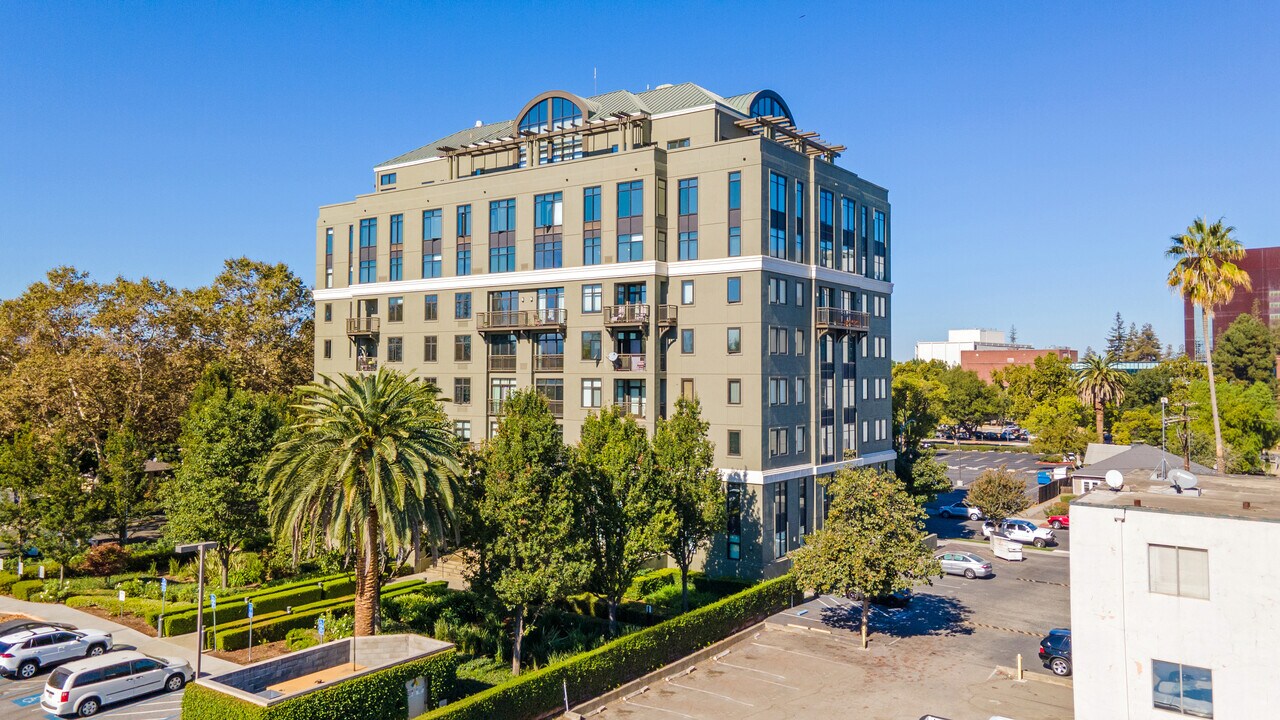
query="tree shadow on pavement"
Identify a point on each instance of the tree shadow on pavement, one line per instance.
(926, 614)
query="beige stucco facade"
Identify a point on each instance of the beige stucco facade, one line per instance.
(834, 362)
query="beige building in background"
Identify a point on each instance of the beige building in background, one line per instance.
(625, 249)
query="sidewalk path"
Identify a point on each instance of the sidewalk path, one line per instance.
(183, 646)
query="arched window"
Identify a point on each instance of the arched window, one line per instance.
(765, 105)
(554, 113)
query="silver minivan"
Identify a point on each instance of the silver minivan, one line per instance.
(81, 688)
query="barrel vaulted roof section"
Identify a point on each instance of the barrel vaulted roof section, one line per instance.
(658, 101)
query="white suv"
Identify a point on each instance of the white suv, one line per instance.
(1023, 531)
(23, 653)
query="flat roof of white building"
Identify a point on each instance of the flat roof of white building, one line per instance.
(1241, 497)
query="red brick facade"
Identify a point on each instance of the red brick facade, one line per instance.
(984, 362)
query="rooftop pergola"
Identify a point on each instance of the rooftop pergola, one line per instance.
(781, 129)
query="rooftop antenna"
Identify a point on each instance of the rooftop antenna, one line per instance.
(595, 87)
(1182, 480)
(1115, 479)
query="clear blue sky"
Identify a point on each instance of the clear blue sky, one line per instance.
(1038, 155)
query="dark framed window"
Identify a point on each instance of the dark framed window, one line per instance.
(328, 312)
(462, 348)
(591, 347)
(432, 234)
(686, 341)
(734, 341)
(369, 250)
(734, 290)
(430, 307)
(395, 309)
(592, 297)
(395, 349)
(687, 248)
(630, 248)
(1184, 689)
(464, 240)
(733, 510)
(430, 349)
(826, 228)
(548, 222)
(387, 179)
(686, 292)
(735, 443)
(631, 199)
(462, 391)
(591, 250)
(502, 236)
(591, 204)
(780, 508)
(777, 215)
(328, 349)
(735, 392)
(462, 306)
(397, 248)
(554, 113)
(735, 214)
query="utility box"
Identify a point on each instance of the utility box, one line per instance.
(1006, 549)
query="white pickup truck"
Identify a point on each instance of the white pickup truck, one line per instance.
(1023, 531)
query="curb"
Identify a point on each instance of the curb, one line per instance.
(1038, 677)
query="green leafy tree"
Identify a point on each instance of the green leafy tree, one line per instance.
(127, 486)
(919, 399)
(1116, 337)
(215, 494)
(70, 509)
(1246, 352)
(924, 476)
(969, 401)
(1141, 345)
(628, 517)
(1100, 384)
(689, 484)
(1206, 273)
(23, 469)
(871, 544)
(368, 461)
(1048, 378)
(1249, 421)
(534, 502)
(999, 494)
(1140, 425)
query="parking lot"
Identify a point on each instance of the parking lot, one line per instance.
(20, 699)
(963, 467)
(936, 656)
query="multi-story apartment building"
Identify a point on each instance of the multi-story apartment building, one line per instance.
(627, 248)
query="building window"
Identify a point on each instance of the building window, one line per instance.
(802, 390)
(397, 248)
(735, 392)
(735, 191)
(735, 241)
(677, 144)
(780, 514)
(369, 250)
(432, 234)
(462, 429)
(395, 309)
(430, 307)
(688, 246)
(464, 259)
(328, 312)
(1179, 571)
(1184, 689)
(735, 443)
(686, 341)
(733, 515)
(686, 292)
(591, 298)
(734, 290)
(802, 447)
(548, 252)
(826, 228)
(464, 221)
(686, 388)
(395, 349)
(387, 179)
(464, 239)
(848, 236)
(554, 113)
(735, 214)
(592, 393)
(778, 341)
(430, 349)
(328, 257)
(502, 236)
(630, 248)
(591, 204)
(548, 221)
(328, 349)
(800, 293)
(734, 341)
(688, 219)
(462, 306)
(462, 348)
(800, 342)
(778, 391)
(591, 345)
(631, 199)
(798, 255)
(591, 250)
(630, 221)
(462, 391)
(777, 216)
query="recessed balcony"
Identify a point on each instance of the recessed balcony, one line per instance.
(362, 326)
(631, 315)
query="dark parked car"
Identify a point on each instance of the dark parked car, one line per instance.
(1055, 651)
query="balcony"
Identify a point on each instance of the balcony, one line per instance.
(502, 363)
(548, 363)
(362, 326)
(667, 315)
(837, 320)
(497, 406)
(634, 408)
(557, 407)
(366, 364)
(516, 320)
(629, 315)
(629, 363)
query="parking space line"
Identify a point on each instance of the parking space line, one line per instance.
(814, 657)
(708, 692)
(651, 707)
(771, 682)
(743, 667)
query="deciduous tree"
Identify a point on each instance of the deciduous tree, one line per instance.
(1246, 352)
(999, 494)
(128, 489)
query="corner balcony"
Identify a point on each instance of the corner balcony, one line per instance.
(838, 320)
(667, 315)
(363, 326)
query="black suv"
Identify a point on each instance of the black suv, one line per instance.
(1055, 651)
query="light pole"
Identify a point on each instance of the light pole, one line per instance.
(199, 547)
(1164, 464)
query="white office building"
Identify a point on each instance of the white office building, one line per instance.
(1174, 600)
(948, 351)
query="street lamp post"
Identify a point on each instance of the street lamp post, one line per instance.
(1164, 463)
(199, 547)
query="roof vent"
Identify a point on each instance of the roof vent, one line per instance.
(664, 86)
(479, 124)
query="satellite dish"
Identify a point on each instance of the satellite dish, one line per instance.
(613, 357)
(1115, 479)
(1182, 479)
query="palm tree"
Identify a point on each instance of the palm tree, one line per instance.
(1207, 275)
(369, 461)
(1100, 384)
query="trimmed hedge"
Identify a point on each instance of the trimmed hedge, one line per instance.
(538, 693)
(145, 608)
(376, 696)
(23, 588)
(341, 587)
(275, 627)
(7, 579)
(233, 607)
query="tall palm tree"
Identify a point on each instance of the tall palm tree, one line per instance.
(1100, 384)
(1208, 276)
(369, 461)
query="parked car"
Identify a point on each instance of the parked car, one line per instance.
(960, 509)
(24, 653)
(13, 626)
(1055, 651)
(964, 563)
(898, 599)
(1023, 531)
(1060, 521)
(81, 688)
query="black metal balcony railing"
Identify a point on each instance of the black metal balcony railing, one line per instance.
(362, 326)
(366, 364)
(667, 315)
(551, 318)
(842, 320)
(548, 363)
(502, 363)
(631, 314)
(630, 363)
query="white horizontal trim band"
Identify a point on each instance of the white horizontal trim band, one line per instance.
(757, 477)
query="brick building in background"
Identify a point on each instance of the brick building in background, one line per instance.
(1263, 301)
(985, 362)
